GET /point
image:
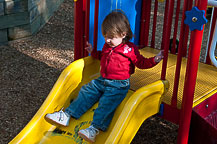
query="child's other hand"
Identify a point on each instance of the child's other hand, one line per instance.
(159, 56)
(89, 47)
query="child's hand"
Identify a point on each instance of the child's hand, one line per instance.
(159, 56)
(89, 47)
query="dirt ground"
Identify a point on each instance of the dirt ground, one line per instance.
(29, 68)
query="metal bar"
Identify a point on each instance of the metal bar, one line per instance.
(154, 24)
(213, 47)
(78, 28)
(185, 42)
(95, 35)
(142, 24)
(166, 11)
(145, 22)
(212, 3)
(186, 34)
(87, 22)
(190, 80)
(183, 36)
(173, 49)
(212, 27)
(167, 26)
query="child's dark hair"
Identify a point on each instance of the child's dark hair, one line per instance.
(116, 23)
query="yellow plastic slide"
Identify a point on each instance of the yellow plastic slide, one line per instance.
(135, 108)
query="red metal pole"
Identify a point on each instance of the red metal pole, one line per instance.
(167, 31)
(95, 35)
(185, 42)
(183, 36)
(186, 34)
(87, 20)
(173, 49)
(78, 29)
(145, 22)
(166, 11)
(214, 17)
(154, 24)
(142, 24)
(190, 81)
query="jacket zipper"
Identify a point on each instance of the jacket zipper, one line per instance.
(107, 62)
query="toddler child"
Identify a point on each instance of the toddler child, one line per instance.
(118, 60)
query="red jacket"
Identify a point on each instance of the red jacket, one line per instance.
(119, 62)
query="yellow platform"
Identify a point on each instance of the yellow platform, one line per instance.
(206, 77)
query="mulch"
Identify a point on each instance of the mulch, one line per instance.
(29, 68)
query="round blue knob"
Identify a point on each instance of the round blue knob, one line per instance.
(195, 19)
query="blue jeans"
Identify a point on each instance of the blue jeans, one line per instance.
(109, 93)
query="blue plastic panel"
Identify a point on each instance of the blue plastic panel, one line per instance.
(132, 9)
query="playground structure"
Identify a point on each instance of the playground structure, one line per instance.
(213, 36)
(193, 84)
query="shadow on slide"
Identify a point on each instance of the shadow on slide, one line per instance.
(136, 107)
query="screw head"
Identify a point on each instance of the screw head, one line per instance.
(194, 19)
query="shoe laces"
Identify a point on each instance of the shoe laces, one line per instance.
(93, 131)
(61, 115)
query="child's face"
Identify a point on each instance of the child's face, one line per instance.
(114, 41)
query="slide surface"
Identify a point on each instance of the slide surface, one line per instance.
(136, 107)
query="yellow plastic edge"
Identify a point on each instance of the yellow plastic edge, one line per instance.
(67, 82)
(205, 96)
(144, 103)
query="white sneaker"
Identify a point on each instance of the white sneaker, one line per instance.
(60, 117)
(89, 134)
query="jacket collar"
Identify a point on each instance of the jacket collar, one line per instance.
(114, 48)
